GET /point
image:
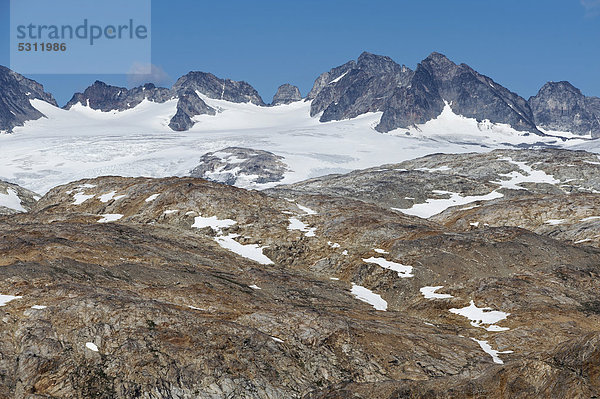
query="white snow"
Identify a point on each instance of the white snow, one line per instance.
(84, 143)
(481, 316)
(345, 252)
(452, 128)
(216, 224)
(404, 271)
(430, 293)
(333, 244)
(255, 287)
(38, 307)
(277, 340)
(152, 197)
(91, 346)
(589, 218)
(531, 176)
(80, 198)
(339, 77)
(110, 196)
(435, 206)
(110, 217)
(440, 169)
(381, 251)
(249, 251)
(306, 210)
(334, 278)
(555, 222)
(296, 224)
(487, 348)
(368, 296)
(4, 299)
(170, 211)
(11, 200)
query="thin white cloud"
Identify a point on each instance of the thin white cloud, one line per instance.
(592, 7)
(140, 74)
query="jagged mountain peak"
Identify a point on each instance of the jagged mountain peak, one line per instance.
(217, 88)
(286, 94)
(372, 83)
(437, 58)
(16, 91)
(104, 97)
(564, 86)
(560, 106)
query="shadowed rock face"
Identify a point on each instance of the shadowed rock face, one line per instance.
(357, 88)
(103, 97)
(241, 167)
(15, 93)
(286, 94)
(220, 89)
(168, 296)
(474, 95)
(326, 77)
(560, 106)
(377, 83)
(188, 106)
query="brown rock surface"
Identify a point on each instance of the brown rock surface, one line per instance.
(176, 312)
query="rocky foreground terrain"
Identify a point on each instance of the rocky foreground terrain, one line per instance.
(449, 276)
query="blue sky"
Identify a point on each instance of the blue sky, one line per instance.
(520, 44)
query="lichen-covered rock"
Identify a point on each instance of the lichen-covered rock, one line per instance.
(140, 287)
(243, 167)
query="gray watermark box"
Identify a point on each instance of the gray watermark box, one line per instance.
(80, 36)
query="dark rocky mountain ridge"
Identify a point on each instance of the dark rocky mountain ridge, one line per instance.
(15, 93)
(103, 97)
(561, 106)
(372, 83)
(406, 97)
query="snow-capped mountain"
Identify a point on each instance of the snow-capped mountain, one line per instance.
(16, 92)
(373, 83)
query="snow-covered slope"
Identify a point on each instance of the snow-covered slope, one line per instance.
(84, 143)
(457, 128)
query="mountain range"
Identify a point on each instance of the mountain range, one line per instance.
(405, 98)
